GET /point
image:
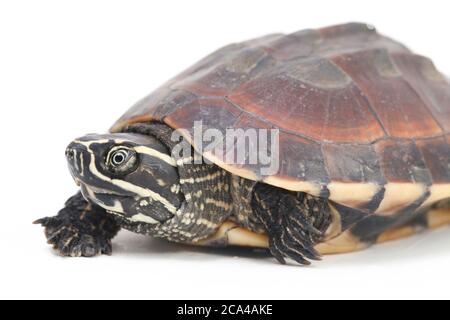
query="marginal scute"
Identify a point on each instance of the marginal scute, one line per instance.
(355, 173)
(406, 173)
(312, 188)
(436, 153)
(353, 163)
(402, 161)
(354, 195)
(305, 161)
(399, 195)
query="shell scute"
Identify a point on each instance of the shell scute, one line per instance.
(436, 153)
(306, 161)
(340, 114)
(220, 78)
(214, 113)
(353, 163)
(296, 45)
(401, 161)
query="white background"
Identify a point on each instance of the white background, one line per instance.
(72, 67)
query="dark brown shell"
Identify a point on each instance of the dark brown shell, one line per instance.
(354, 109)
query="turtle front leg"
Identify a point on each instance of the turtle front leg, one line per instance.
(80, 229)
(295, 222)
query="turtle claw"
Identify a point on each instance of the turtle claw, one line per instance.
(276, 251)
(68, 241)
(288, 241)
(294, 222)
(284, 246)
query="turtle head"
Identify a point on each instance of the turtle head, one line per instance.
(127, 174)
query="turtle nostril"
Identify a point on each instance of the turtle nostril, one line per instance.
(70, 154)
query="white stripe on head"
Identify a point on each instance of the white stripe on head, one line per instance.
(155, 153)
(117, 207)
(81, 164)
(143, 218)
(87, 144)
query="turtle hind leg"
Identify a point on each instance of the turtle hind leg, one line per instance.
(80, 229)
(294, 222)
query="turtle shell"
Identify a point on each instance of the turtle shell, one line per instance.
(362, 119)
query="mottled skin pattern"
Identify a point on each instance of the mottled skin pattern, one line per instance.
(206, 189)
(242, 196)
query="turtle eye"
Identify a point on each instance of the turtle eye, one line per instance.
(118, 157)
(121, 160)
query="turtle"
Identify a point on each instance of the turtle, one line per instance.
(358, 125)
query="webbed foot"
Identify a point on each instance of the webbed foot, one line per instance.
(80, 229)
(68, 241)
